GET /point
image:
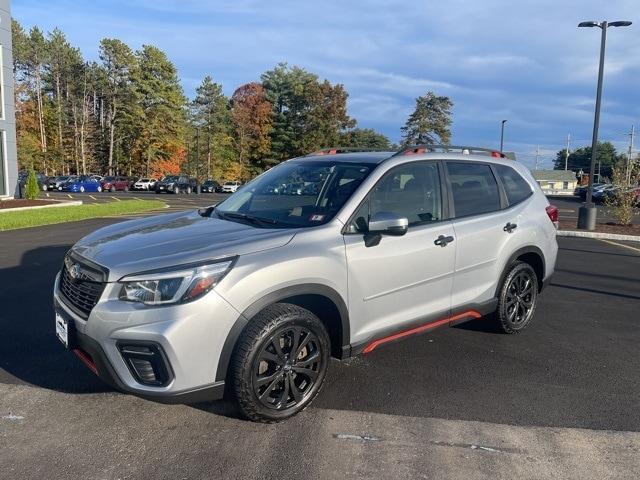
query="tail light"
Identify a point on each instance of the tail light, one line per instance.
(552, 211)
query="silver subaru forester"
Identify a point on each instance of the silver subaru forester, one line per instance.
(329, 255)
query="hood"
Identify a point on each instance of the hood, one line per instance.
(174, 239)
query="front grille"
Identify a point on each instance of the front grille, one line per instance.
(81, 295)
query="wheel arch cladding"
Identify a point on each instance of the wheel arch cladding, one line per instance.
(321, 300)
(531, 255)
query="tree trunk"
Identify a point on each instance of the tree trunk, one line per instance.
(208, 154)
(59, 108)
(112, 129)
(43, 134)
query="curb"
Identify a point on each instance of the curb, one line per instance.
(598, 235)
(62, 203)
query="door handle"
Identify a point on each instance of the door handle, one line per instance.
(510, 227)
(443, 241)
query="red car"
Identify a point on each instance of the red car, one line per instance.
(111, 184)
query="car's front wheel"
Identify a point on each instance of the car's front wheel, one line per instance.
(517, 298)
(279, 363)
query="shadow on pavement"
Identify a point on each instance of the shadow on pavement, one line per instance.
(31, 353)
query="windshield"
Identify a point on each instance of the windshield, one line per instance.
(170, 178)
(230, 183)
(109, 179)
(303, 194)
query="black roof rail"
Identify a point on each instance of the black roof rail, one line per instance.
(428, 148)
(337, 150)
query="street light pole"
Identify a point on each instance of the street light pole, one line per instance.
(502, 135)
(587, 213)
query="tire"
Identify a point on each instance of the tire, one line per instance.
(99, 189)
(188, 191)
(126, 189)
(261, 377)
(176, 191)
(81, 189)
(44, 188)
(517, 298)
(112, 189)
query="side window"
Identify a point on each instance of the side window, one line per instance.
(474, 188)
(516, 187)
(411, 191)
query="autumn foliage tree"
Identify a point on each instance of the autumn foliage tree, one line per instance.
(251, 115)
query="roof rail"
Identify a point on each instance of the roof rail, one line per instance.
(428, 148)
(336, 150)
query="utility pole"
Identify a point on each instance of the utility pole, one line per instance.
(629, 158)
(566, 153)
(537, 155)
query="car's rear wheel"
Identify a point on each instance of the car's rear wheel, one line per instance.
(176, 190)
(81, 189)
(188, 190)
(280, 362)
(517, 298)
(112, 189)
(99, 189)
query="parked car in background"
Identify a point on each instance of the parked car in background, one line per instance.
(211, 186)
(230, 187)
(112, 184)
(145, 184)
(176, 184)
(43, 180)
(581, 191)
(55, 183)
(83, 183)
(602, 192)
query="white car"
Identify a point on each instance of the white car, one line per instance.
(145, 184)
(230, 187)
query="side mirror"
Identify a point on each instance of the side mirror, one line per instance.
(388, 223)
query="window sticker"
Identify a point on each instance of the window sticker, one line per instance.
(316, 217)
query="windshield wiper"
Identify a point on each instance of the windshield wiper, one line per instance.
(249, 218)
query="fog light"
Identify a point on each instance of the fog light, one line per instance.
(147, 363)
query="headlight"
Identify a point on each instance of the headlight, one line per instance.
(179, 285)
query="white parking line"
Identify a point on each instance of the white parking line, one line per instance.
(116, 198)
(93, 197)
(635, 249)
(68, 195)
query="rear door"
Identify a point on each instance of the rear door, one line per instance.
(479, 223)
(402, 281)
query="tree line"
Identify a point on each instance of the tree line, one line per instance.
(580, 159)
(127, 114)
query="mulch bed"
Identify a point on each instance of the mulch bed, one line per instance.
(606, 228)
(23, 202)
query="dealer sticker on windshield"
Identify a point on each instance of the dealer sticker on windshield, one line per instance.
(316, 218)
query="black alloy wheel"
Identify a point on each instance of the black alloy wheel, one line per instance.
(279, 363)
(286, 368)
(518, 298)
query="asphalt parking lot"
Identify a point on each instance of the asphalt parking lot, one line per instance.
(561, 400)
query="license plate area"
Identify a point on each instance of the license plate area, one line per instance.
(65, 329)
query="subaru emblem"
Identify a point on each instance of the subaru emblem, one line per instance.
(74, 271)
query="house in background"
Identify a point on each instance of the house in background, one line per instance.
(8, 155)
(556, 182)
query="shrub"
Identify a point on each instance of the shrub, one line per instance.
(622, 200)
(31, 188)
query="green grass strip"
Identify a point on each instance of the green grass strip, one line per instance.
(46, 216)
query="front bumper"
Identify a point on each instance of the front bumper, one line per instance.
(191, 337)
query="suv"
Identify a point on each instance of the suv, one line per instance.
(112, 184)
(144, 184)
(260, 291)
(176, 184)
(230, 187)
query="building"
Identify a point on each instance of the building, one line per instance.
(8, 155)
(556, 182)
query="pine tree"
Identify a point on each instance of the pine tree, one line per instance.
(430, 123)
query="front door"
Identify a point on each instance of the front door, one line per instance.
(402, 280)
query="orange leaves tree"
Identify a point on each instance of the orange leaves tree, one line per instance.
(251, 116)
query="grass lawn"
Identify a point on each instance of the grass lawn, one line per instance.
(46, 216)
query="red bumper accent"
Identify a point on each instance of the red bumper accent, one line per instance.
(86, 359)
(422, 328)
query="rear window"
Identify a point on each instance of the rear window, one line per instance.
(474, 187)
(516, 187)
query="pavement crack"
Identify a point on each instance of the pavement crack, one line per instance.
(358, 438)
(473, 446)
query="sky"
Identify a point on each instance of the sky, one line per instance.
(520, 60)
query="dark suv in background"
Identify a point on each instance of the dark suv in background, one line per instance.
(176, 184)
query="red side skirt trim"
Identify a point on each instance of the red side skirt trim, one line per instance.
(422, 328)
